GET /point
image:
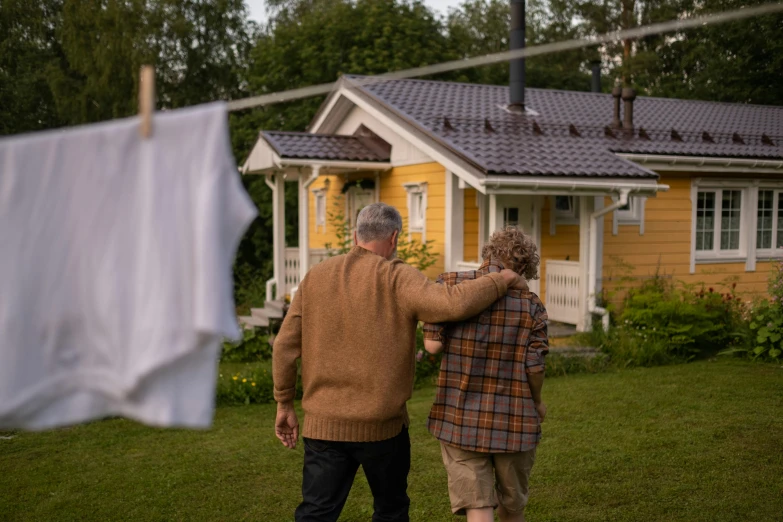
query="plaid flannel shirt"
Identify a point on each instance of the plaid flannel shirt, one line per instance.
(483, 401)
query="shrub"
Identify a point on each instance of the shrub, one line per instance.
(661, 323)
(252, 385)
(764, 340)
(766, 326)
(254, 347)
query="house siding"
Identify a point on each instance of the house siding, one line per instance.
(564, 244)
(629, 258)
(319, 238)
(393, 193)
(471, 227)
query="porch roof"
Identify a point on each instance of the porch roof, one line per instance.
(303, 145)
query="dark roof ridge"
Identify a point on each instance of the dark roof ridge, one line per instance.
(305, 133)
(589, 93)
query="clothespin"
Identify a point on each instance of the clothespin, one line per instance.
(146, 99)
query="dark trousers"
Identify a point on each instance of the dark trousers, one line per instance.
(329, 470)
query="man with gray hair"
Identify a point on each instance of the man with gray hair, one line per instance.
(353, 325)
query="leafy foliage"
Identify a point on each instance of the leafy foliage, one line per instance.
(253, 347)
(427, 365)
(765, 339)
(662, 322)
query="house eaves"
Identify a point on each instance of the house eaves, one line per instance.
(659, 163)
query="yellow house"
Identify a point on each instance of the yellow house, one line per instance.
(689, 189)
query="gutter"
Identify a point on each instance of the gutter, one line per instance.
(669, 162)
(547, 183)
(592, 262)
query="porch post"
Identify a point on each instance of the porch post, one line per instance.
(493, 213)
(585, 210)
(304, 220)
(455, 223)
(304, 228)
(278, 234)
(481, 204)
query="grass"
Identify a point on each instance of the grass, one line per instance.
(696, 442)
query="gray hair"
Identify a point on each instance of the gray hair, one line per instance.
(377, 222)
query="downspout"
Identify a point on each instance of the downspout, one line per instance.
(592, 279)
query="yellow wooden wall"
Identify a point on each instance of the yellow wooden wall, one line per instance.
(318, 239)
(666, 245)
(393, 193)
(470, 236)
(564, 245)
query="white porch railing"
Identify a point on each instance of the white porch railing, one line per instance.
(291, 268)
(563, 291)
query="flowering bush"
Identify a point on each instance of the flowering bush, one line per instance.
(252, 385)
(662, 323)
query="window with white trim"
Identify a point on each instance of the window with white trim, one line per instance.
(510, 217)
(417, 206)
(566, 209)
(719, 223)
(769, 218)
(320, 209)
(632, 213)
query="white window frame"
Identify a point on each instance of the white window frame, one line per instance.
(506, 222)
(634, 215)
(563, 217)
(351, 202)
(320, 209)
(746, 239)
(776, 250)
(417, 192)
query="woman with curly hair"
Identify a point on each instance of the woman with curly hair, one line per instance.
(488, 410)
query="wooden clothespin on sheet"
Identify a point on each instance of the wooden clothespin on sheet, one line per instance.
(146, 99)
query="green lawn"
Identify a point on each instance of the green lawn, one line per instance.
(702, 441)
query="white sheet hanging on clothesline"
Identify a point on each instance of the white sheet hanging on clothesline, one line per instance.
(116, 270)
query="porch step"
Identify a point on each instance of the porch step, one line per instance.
(251, 321)
(275, 305)
(266, 313)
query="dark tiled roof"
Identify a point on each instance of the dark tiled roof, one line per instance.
(323, 146)
(565, 132)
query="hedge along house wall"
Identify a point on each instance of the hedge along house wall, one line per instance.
(665, 247)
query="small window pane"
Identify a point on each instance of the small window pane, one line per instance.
(730, 219)
(705, 215)
(564, 204)
(510, 217)
(764, 223)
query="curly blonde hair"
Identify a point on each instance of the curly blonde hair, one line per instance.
(513, 246)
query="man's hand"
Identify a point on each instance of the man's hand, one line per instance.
(541, 410)
(287, 424)
(510, 277)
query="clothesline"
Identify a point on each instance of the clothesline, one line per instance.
(489, 59)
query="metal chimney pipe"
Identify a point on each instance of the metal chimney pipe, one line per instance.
(616, 94)
(629, 95)
(596, 84)
(517, 69)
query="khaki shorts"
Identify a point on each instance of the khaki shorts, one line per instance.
(478, 480)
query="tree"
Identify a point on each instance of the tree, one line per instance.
(479, 27)
(316, 41)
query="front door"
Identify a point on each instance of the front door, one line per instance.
(523, 212)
